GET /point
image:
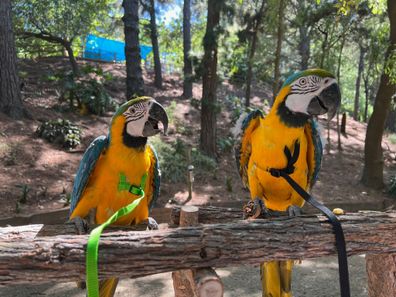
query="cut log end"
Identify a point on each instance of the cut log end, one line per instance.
(189, 216)
(208, 283)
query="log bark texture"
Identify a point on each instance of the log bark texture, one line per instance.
(381, 272)
(27, 256)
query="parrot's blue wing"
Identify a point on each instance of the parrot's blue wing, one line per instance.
(315, 151)
(243, 147)
(84, 171)
(155, 177)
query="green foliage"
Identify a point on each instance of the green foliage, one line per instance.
(63, 19)
(170, 110)
(87, 90)
(225, 144)
(24, 193)
(61, 132)
(390, 67)
(229, 184)
(9, 153)
(392, 186)
(392, 138)
(173, 160)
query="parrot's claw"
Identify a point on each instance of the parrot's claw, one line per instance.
(294, 211)
(81, 225)
(255, 209)
(152, 224)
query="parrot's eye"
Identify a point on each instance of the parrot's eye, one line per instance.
(303, 81)
(132, 110)
(326, 80)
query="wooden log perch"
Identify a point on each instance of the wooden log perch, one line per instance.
(210, 215)
(26, 256)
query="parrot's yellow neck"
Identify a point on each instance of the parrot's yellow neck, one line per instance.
(120, 151)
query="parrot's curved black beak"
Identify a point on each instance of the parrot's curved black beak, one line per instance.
(157, 114)
(328, 101)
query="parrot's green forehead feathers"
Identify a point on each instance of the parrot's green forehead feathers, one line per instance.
(125, 106)
(297, 75)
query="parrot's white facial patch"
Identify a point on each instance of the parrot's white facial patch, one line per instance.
(304, 89)
(136, 117)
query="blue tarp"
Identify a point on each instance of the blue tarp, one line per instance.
(99, 48)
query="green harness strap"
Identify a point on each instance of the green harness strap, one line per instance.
(93, 240)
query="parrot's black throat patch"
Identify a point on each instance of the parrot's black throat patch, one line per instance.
(291, 119)
(131, 141)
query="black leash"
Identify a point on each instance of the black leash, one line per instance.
(337, 228)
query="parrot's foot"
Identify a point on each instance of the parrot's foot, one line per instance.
(81, 225)
(152, 224)
(294, 211)
(255, 209)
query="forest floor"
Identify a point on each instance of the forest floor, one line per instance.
(44, 172)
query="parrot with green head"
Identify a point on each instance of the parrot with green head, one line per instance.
(268, 142)
(114, 164)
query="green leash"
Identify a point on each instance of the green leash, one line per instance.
(93, 240)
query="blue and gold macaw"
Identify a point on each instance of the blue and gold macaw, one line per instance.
(112, 164)
(263, 142)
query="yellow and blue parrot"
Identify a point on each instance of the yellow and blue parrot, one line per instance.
(114, 163)
(267, 142)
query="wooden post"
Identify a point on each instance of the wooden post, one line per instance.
(381, 273)
(202, 282)
(183, 282)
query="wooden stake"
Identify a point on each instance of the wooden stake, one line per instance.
(183, 282)
(202, 282)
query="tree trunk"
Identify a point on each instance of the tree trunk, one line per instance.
(281, 15)
(134, 79)
(187, 68)
(72, 59)
(373, 155)
(10, 92)
(28, 254)
(343, 123)
(381, 273)
(209, 106)
(304, 48)
(339, 146)
(324, 46)
(154, 42)
(366, 94)
(252, 50)
(357, 86)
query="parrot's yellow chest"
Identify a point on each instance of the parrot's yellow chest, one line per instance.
(268, 142)
(107, 189)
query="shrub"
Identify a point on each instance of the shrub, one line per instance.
(174, 161)
(61, 132)
(87, 90)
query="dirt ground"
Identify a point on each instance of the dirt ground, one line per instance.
(317, 278)
(46, 171)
